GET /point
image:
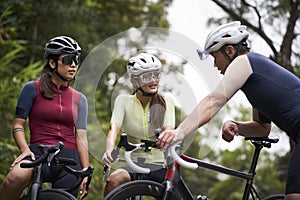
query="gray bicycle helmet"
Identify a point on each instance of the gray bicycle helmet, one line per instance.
(142, 63)
(61, 44)
(231, 33)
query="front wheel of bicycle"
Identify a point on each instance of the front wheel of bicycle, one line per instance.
(51, 194)
(148, 189)
(275, 197)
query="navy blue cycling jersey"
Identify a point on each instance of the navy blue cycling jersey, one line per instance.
(272, 90)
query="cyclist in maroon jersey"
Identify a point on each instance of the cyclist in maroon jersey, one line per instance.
(56, 112)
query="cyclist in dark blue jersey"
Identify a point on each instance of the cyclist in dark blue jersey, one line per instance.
(56, 112)
(273, 91)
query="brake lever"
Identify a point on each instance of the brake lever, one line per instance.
(51, 157)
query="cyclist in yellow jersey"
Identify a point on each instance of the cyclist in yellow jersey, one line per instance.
(139, 115)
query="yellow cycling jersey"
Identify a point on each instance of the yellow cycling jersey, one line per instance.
(133, 119)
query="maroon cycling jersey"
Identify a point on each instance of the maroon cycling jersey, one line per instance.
(52, 120)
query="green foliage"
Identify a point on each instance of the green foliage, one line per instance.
(201, 180)
(269, 20)
(26, 25)
(6, 157)
(266, 180)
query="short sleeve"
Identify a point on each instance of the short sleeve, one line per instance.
(235, 76)
(118, 110)
(82, 113)
(257, 116)
(25, 100)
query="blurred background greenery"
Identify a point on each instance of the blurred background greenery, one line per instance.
(26, 25)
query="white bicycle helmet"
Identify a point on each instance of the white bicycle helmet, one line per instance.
(60, 44)
(142, 63)
(231, 33)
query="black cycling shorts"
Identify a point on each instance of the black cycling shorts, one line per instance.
(58, 177)
(293, 177)
(157, 175)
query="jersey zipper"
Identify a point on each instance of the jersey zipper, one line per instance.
(60, 112)
(146, 117)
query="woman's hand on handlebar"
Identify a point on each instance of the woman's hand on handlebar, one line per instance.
(83, 191)
(107, 158)
(168, 137)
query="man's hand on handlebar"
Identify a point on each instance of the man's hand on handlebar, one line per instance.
(168, 137)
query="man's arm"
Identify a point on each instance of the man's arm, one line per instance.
(203, 113)
(254, 128)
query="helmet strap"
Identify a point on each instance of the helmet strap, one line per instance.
(146, 94)
(60, 76)
(227, 56)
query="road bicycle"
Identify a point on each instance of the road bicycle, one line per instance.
(49, 157)
(173, 180)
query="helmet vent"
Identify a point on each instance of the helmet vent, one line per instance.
(142, 63)
(226, 36)
(60, 44)
(231, 33)
(131, 63)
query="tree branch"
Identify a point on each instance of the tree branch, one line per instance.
(290, 35)
(256, 11)
(258, 30)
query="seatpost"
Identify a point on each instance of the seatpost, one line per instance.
(258, 148)
(252, 172)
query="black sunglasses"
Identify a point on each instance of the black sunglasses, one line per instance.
(69, 59)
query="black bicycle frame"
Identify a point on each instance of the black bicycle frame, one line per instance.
(174, 183)
(37, 183)
(173, 175)
(48, 157)
(37, 180)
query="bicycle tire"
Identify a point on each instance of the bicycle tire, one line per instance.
(147, 189)
(275, 197)
(51, 194)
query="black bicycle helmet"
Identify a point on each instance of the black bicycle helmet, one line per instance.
(61, 44)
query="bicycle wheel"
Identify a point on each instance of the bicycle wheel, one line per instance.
(148, 189)
(275, 197)
(51, 194)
